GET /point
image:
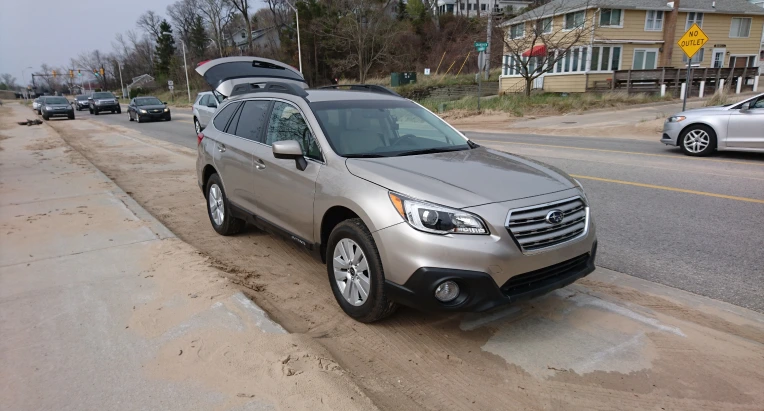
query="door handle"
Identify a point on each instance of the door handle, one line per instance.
(221, 148)
(259, 164)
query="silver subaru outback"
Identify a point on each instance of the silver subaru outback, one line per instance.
(401, 207)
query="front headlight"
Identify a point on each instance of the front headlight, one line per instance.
(48, 108)
(166, 110)
(432, 218)
(675, 119)
(581, 187)
(142, 111)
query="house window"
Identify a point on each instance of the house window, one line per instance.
(243, 35)
(741, 27)
(482, 7)
(606, 58)
(461, 6)
(517, 31)
(574, 60)
(515, 67)
(693, 18)
(696, 59)
(611, 18)
(654, 20)
(544, 26)
(645, 59)
(574, 20)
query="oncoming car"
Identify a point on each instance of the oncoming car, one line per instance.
(401, 207)
(733, 127)
(104, 101)
(148, 108)
(56, 106)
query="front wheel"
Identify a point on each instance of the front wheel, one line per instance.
(119, 111)
(129, 116)
(95, 111)
(197, 126)
(219, 209)
(698, 140)
(355, 272)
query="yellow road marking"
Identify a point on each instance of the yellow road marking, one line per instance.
(627, 152)
(679, 190)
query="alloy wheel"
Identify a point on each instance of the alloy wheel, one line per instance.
(217, 209)
(351, 272)
(695, 141)
(197, 126)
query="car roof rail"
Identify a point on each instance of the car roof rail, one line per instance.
(363, 87)
(269, 87)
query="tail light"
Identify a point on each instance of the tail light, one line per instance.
(199, 138)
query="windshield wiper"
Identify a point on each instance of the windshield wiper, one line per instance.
(364, 155)
(430, 151)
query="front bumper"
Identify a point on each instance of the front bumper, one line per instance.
(671, 133)
(153, 116)
(106, 107)
(59, 113)
(478, 290)
(416, 262)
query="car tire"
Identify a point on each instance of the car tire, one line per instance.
(95, 111)
(129, 116)
(71, 116)
(168, 118)
(45, 117)
(90, 110)
(698, 140)
(137, 118)
(355, 237)
(197, 126)
(119, 111)
(219, 209)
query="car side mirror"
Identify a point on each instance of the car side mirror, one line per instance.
(290, 149)
(745, 106)
(164, 102)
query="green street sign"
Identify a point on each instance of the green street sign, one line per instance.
(481, 45)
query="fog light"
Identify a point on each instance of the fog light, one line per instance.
(447, 291)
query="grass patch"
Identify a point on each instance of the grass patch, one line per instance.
(423, 82)
(543, 103)
(718, 99)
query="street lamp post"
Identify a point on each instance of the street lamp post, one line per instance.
(121, 84)
(24, 80)
(297, 17)
(185, 66)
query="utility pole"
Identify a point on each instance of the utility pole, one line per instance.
(488, 49)
(121, 84)
(297, 17)
(24, 80)
(669, 31)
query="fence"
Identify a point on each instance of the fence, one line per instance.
(453, 92)
(645, 81)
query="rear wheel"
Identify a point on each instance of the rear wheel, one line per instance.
(355, 272)
(219, 209)
(698, 140)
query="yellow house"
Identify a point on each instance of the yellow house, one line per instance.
(604, 36)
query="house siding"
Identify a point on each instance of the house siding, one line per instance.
(633, 29)
(593, 77)
(511, 85)
(565, 83)
(717, 28)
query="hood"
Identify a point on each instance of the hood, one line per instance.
(462, 178)
(225, 73)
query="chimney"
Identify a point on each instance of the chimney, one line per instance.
(669, 33)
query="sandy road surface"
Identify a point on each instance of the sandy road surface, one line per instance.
(608, 342)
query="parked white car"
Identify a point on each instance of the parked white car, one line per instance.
(204, 107)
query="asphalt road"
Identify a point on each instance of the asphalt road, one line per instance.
(696, 224)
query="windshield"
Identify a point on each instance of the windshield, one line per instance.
(384, 129)
(81, 98)
(148, 101)
(103, 95)
(56, 100)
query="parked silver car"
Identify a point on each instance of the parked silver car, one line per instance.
(204, 107)
(733, 127)
(402, 207)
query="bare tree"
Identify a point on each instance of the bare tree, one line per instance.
(149, 23)
(8, 80)
(537, 41)
(143, 50)
(217, 14)
(364, 34)
(183, 14)
(243, 7)
(282, 13)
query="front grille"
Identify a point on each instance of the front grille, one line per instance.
(156, 111)
(530, 228)
(523, 283)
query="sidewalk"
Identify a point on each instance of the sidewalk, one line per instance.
(103, 308)
(642, 123)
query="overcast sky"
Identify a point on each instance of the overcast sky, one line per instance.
(33, 32)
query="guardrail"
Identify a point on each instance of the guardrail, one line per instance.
(651, 80)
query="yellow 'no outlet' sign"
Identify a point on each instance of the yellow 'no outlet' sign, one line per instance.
(692, 41)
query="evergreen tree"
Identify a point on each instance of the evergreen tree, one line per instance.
(165, 49)
(401, 10)
(198, 38)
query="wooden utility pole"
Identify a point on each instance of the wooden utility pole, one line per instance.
(669, 34)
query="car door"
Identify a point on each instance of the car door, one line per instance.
(131, 108)
(204, 113)
(285, 193)
(232, 157)
(746, 126)
(209, 108)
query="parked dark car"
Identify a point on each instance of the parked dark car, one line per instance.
(147, 108)
(103, 101)
(81, 102)
(56, 106)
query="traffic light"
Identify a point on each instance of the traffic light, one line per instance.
(71, 73)
(79, 73)
(54, 73)
(95, 72)
(102, 72)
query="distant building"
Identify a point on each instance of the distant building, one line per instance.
(263, 40)
(470, 8)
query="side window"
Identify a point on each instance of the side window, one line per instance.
(286, 123)
(252, 119)
(224, 115)
(759, 103)
(205, 99)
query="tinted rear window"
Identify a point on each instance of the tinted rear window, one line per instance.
(224, 115)
(253, 116)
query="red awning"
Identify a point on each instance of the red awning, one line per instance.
(536, 51)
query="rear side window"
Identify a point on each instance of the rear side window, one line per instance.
(203, 101)
(252, 119)
(224, 115)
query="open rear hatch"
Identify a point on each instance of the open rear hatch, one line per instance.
(225, 73)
